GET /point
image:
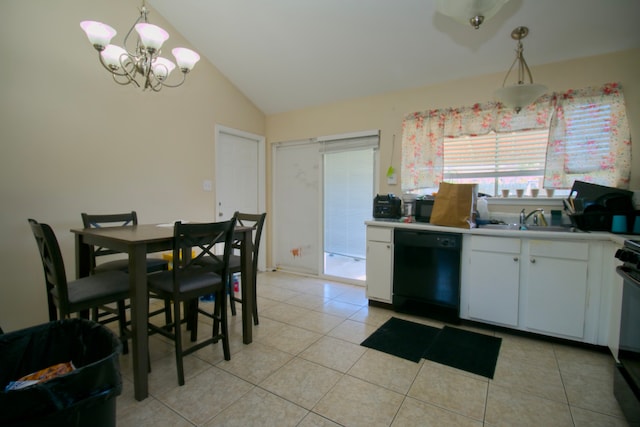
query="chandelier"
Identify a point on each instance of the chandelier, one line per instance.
(141, 66)
(473, 12)
(520, 94)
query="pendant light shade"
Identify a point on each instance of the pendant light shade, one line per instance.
(473, 12)
(521, 94)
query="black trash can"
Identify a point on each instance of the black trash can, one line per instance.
(83, 397)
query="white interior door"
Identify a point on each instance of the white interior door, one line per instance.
(240, 176)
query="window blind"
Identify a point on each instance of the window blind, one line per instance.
(495, 155)
(588, 132)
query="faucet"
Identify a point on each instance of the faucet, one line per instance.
(524, 217)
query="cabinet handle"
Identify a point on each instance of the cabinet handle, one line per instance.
(515, 258)
(533, 260)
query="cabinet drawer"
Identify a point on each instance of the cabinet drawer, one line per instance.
(380, 234)
(508, 245)
(559, 249)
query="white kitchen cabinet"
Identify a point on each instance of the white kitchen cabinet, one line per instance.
(555, 287)
(379, 263)
(494, 280)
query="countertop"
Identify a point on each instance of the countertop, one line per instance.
(577, 235)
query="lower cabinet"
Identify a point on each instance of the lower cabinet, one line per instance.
(534, 285)
(556, 287)
(379, 263)
(494, 280)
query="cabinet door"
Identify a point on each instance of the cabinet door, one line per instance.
(379, 268)
(494, 287)
(557, 295)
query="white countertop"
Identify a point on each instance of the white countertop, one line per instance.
(578, 235)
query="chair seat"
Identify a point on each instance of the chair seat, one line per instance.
(97, 289)
(153, 265)
(162, 283)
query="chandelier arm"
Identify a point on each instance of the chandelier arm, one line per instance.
(184, 78)
(525, 67)
(509, 72)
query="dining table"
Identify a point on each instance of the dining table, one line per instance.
(137, 241)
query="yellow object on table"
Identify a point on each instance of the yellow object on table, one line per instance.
(169, 257)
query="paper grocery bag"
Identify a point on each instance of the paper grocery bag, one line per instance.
(454, 205)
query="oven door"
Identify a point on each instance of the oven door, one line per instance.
(627, 375)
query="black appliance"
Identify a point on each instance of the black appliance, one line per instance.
(426, 273)
(424, 207)
(626, 381)
(387, 206)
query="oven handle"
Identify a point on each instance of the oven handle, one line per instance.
(624, 272)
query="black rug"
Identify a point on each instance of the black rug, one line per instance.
(402, 338)
(461, 349)
(466, 350)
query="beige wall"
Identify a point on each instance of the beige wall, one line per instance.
(73, 141)
(385, 112)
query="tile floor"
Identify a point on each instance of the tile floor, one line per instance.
(306, 368)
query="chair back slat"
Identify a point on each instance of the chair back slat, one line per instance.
(106, 220)
(255, 221)
(203, 238)
(53, 266)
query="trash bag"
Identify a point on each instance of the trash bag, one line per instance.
(83, 397)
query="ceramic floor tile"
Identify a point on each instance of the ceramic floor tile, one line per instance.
(450, 390)
(414, 413)
(291, 339)
(256, 362)
(386, 370)
(506, 407)
(307, 301)
(356, 295)
(149, 412)
(534, 352)
(205, 396)
(315, 420)
(318, 322)
(301, 382)
(339, 308)
(353, 402)
(285, 313)
(585, 418)
(520, 375)
(591, 392)
(259, 408)
(352, 331)
(374, 316)
(333, 353)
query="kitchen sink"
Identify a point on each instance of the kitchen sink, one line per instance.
(529, 227)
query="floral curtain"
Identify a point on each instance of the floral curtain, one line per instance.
(569, 160)
(423, 134)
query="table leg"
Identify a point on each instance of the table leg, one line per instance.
(248, 287)
(139, 318)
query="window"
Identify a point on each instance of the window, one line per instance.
(494, 161)
(580, 134)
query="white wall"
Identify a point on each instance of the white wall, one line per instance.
(73, 141)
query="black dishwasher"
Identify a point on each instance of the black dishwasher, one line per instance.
(426, 273)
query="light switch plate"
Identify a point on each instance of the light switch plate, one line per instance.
(207, 185)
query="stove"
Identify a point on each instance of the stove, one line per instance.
(626, 382)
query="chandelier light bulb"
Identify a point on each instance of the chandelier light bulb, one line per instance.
(151, 36)
(99, 34)
(186, 58)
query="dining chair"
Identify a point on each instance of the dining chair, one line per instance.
(190, 279)
(113, 220)
(117, 220)
(81, 295)
(255, 221)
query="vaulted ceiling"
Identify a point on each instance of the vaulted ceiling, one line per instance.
(290, 54)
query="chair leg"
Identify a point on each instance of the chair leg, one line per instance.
(193, 315)
(255, 305)
(224, 333)
(122, 322)
(232, 294)
(178, 342)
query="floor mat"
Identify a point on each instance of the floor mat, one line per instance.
(402, 338)
(466, 350)
(458, 348)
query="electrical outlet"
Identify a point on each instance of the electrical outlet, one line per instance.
(207, 185)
